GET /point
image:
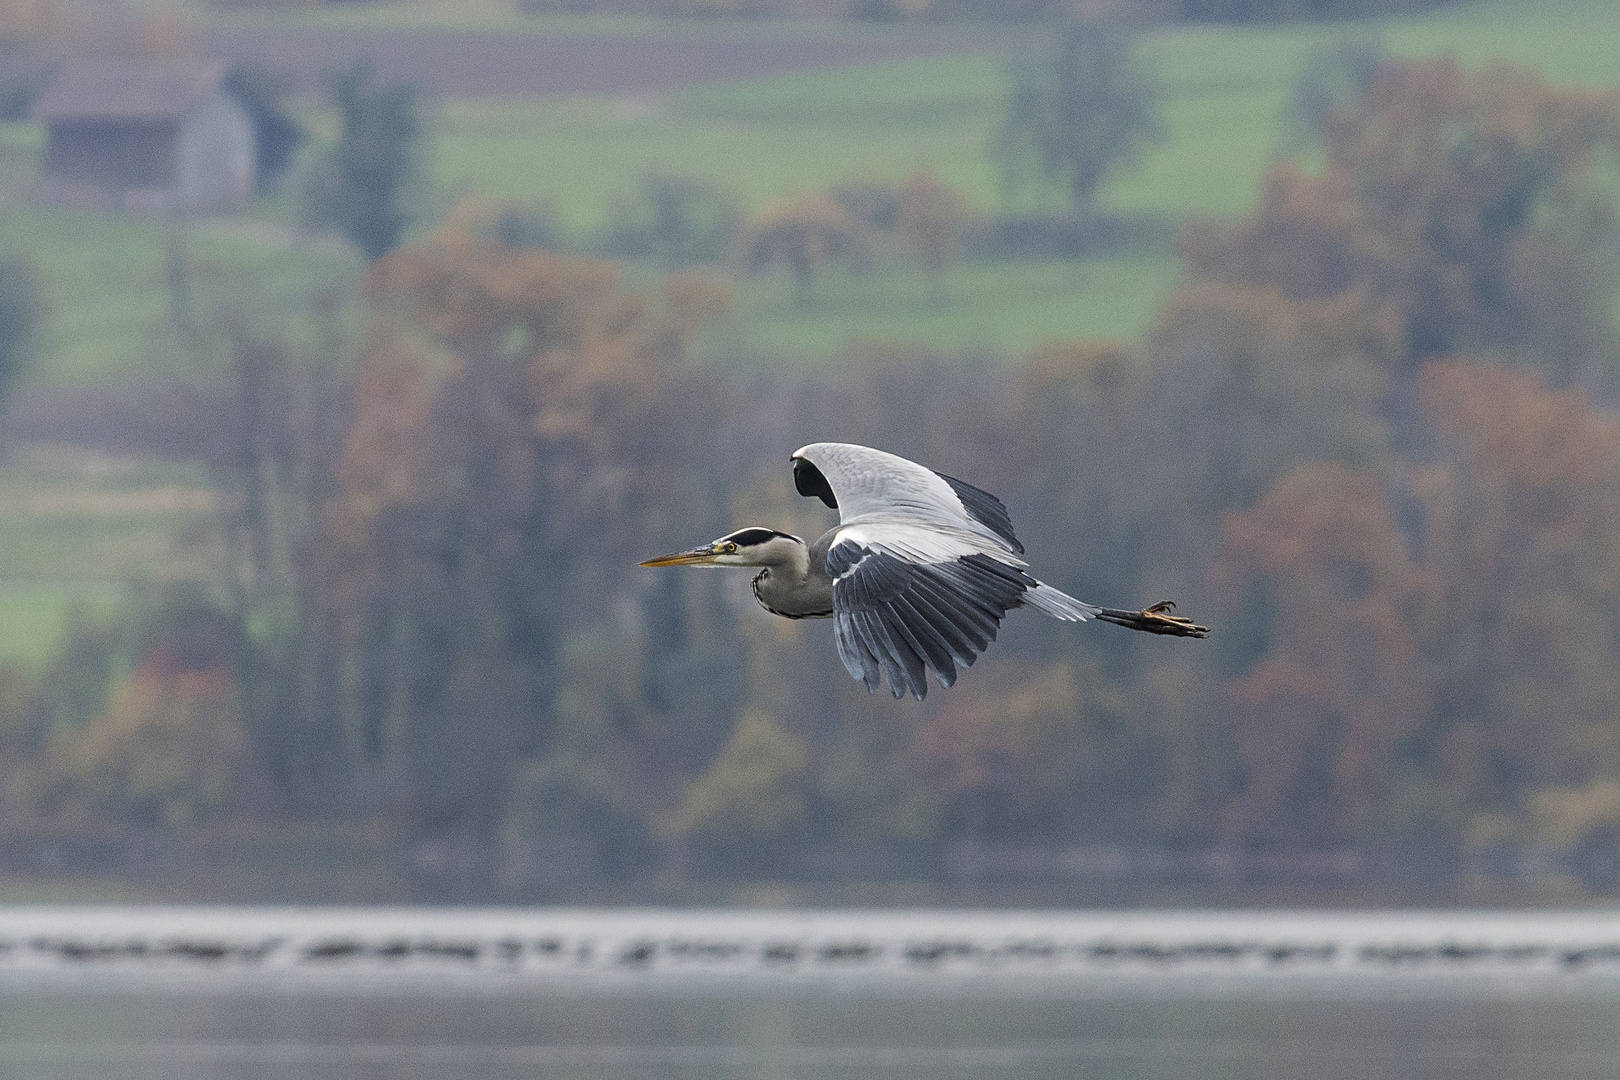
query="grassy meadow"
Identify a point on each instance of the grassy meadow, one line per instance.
(74, 530)
(77, 529)
(988, 308)
(582, 159)
(1224, 93)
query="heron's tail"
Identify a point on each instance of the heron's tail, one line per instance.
(1059, 604)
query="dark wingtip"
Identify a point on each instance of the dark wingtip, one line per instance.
(1154, 620)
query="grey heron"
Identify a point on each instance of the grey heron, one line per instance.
(918, 573)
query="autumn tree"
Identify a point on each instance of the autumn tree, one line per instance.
(802, 233)
(1340, 682)
(929, 224)
(1025, 753)
(1380, 689)
(1523, 516)
(1235, 388)
(1070, 421)
(150, 731)
(753, 796)
(170, 749)
(505, 424)
(1240, 386)
(1458, 199)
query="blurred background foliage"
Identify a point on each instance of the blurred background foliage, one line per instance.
(319, 521)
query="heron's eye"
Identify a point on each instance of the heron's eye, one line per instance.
(731, 549)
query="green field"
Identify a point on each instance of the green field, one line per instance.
(583, 159)
(76, 528)
(989, 308)
(35, 616)
(110, 284)
(767, 139)
(1571, 40)
(1224, 90)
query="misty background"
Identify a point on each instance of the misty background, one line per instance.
(354, 353)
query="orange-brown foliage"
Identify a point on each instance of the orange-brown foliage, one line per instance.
(1344, 682)
(169, 748)
(930, 219)
(1432, 205)
(485, 366)
(1523, 538)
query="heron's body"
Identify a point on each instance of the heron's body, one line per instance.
(795, 583)
(918, 574)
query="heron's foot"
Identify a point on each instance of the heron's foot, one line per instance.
(1157, 619)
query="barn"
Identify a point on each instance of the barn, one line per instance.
(144, 136)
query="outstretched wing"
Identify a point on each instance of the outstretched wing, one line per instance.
(924, 567)
(894, 617)
(866, 484)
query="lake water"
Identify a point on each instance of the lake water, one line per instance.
(479, 995)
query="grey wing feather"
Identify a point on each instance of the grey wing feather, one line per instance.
(895, 619)
(871, 483)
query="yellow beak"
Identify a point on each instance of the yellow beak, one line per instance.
(695, 557)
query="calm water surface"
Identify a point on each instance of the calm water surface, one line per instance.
(796, 1034)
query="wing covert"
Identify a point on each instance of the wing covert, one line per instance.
(867, 484)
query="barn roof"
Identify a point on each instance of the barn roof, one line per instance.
(116, 89)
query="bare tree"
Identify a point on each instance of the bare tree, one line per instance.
(1081, 110)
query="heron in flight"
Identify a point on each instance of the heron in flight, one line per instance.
(918, 574)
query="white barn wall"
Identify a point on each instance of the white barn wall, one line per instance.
(214, 155)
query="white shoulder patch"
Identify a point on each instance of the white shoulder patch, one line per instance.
(918, 542)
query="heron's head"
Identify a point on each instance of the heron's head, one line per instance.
(746, 547)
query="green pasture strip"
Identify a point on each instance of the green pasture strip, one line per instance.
(61, 469)
(105, 280)
(1224, 91)
(76, 528)
(584, 158)
(36, 616)
(1570, 41)
(68, 516)
(101, 548)
(1000, 308)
